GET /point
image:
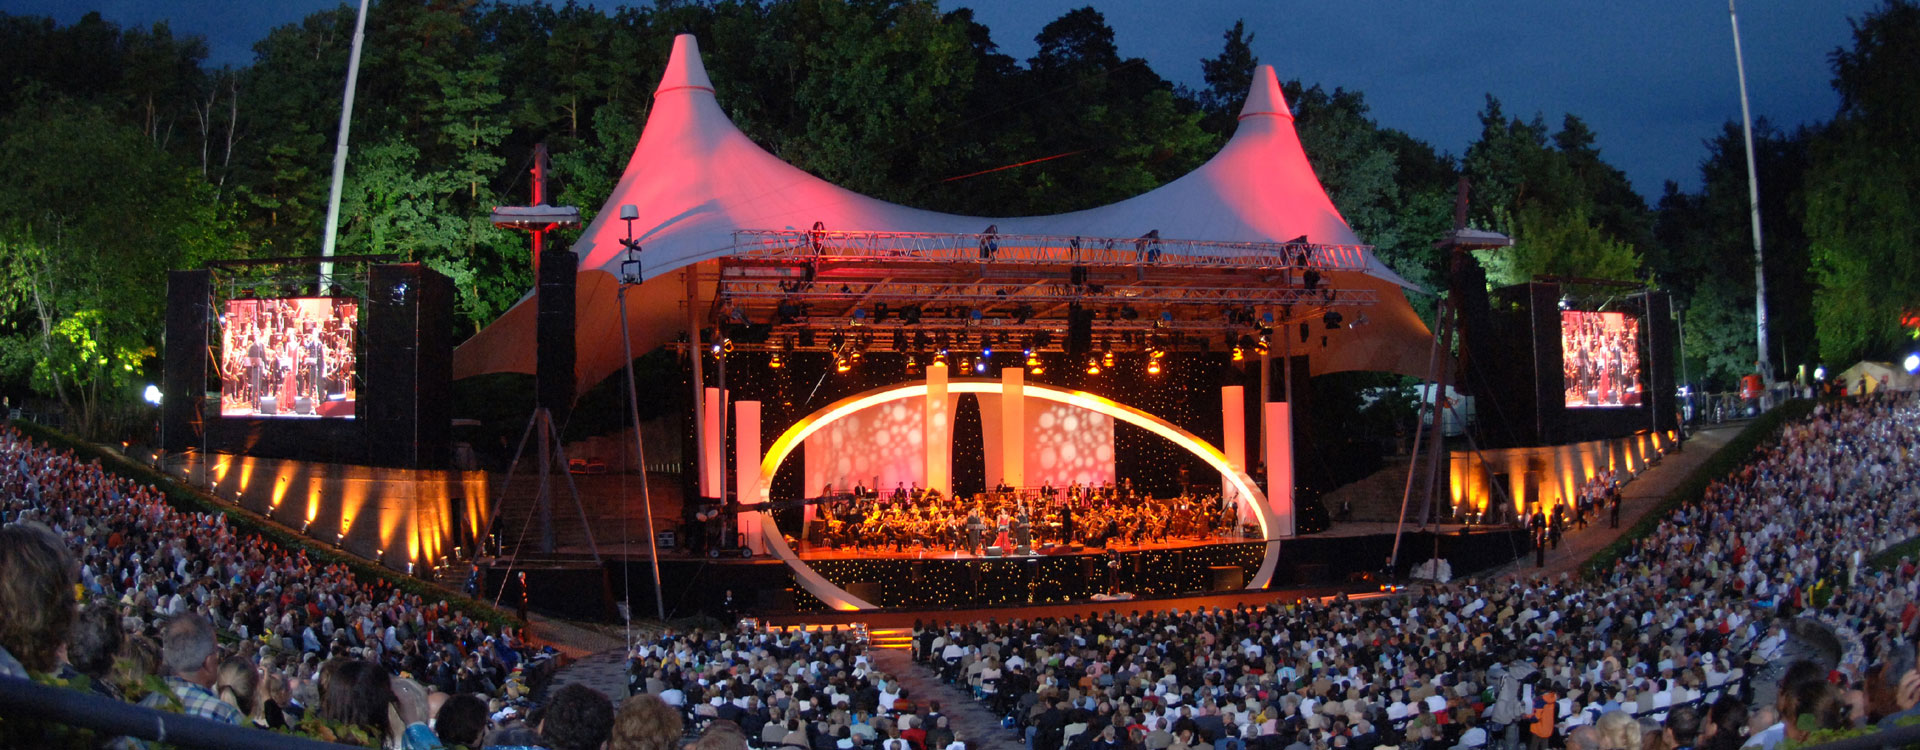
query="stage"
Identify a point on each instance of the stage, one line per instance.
(1347, 557)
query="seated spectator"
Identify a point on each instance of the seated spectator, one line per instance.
(37, 576)
(193, 664)
(645, 723)
(461, 721)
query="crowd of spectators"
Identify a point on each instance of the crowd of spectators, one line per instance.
(797, 689)
(1746, 618)
(105, 585)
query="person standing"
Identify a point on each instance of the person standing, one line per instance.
(976, 526)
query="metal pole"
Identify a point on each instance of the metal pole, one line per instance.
(332, 228)
(640, 455)
(1413, 455)
(1753, 201)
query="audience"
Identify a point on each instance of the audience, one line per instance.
(1757, 590)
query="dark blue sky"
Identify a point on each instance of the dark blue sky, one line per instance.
(1654, 78)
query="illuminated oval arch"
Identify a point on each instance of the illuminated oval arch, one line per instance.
(1248, 492)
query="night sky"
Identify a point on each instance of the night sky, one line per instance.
(1654, 78)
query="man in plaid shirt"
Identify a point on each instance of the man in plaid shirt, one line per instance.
(187, 646)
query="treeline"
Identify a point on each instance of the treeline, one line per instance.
(128, 154)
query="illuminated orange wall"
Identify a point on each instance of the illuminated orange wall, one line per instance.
(394, 516)
(1562, 468)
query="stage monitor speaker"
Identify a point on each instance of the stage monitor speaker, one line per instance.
(995, 551)
(183, 375)
(267, 406)
(1227, 577)
(407, 367)
(554, 331)
(303, 405)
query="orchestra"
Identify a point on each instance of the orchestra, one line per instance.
(286, 350)
(1013, 520)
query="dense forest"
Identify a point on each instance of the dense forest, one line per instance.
(128, 154)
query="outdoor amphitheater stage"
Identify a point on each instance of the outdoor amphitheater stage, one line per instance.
(1347, 557)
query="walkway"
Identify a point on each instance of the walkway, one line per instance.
(1638, 497)
(970, 719)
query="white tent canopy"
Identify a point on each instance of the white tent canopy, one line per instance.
(696, 180)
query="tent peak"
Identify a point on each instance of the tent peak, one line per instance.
(1263, 99)
(684, 68)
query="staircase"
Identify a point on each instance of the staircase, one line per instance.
(899, 639)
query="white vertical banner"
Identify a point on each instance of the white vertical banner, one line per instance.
(1233, 441)
(1013, 425)
(1279, 449)
(746, 446)
(937, 438)
(712, 438)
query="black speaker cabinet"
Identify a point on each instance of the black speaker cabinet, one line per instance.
(407, 367)
(555, 330)
(183, 377)
(267, 406)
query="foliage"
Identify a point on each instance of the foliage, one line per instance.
(87, 280)
(1722, 463)
(1566, 245)
(1863, 200)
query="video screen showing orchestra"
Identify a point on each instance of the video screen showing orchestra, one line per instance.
(1600, 359)
(290, 357)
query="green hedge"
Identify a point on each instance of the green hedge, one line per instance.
(1722, 463)
(192, 500)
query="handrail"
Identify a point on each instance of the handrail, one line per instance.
(1042, 248)
(23, 698)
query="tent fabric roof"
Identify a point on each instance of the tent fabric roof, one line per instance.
(696, 179)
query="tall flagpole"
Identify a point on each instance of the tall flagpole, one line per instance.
(1753, 201)
(340, 152)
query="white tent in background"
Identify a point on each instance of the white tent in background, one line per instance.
(1867, 377)
(696, 180)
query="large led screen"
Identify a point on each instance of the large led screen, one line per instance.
(291, 357)
(1600, 359)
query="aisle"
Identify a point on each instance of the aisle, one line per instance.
(971, 720)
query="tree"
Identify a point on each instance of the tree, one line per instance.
(1863, 199)
(1229, 77)
(1569, 245)
(89, 282)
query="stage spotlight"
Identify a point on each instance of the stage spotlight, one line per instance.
(1022, 313)
(986, 350)
(940, 358)
(1093, 367)
(716, 347)
(726, 345)
(775, 361)
(1310, 279)
(1032, 360)
(840, 364)
(1332, 319)
(1912, 363)
(1035, 368)
(1128, 313)
(980, 366)
(1239, 355)
(1360, 321)
(836, 341)
(910, 315)
(859, 316)
(1106, 358)
(1153, 366)
(152, 394)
